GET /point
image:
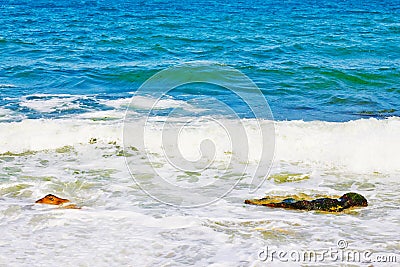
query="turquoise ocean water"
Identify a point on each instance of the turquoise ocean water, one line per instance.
(70, 70)
(313, 60)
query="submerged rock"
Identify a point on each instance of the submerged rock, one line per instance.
(323, 204)
(54, 200)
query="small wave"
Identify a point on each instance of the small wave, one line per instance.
(147, 103)
(41, 134)
(50, 103)
(6, 85)
(360, 146)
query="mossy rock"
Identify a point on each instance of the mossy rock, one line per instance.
(326, 204)
(285, 177)
(14, 190)
(21, 154)
(65, 149)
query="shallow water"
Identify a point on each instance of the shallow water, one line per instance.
(120, 224)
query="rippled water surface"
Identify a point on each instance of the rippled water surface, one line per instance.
(313, 61)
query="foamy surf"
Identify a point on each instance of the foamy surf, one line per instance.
(83, 158)
(362, 146)
(46, 103)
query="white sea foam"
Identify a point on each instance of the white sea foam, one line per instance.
(50, 103)
(4, 112)
(147, 103)
(41, 134)
(362, 146)
(366, 145)
(102, 115)
(121, 103)
(9, 115)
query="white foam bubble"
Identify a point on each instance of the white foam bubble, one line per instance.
(141, 102)
(121, 103)
(102, 115)
(50, 103)
(9, 115)
(4, 112)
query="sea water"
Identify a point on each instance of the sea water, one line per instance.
(69, 76)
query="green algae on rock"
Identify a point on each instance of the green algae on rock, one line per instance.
(346, 201)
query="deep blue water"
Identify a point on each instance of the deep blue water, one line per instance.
(313, 60)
